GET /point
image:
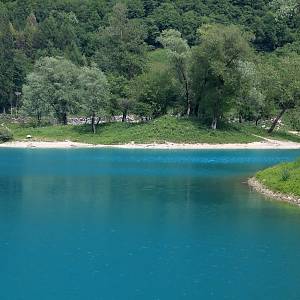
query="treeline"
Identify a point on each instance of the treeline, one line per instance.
(220, 58)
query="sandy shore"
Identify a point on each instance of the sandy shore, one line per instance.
(265, 144)
(259, 187)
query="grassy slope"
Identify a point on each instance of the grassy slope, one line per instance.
(161, 130)
(284, 178)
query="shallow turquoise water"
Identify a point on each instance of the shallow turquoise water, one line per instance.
(121, 224)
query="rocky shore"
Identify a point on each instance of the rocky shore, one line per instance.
(259, 187)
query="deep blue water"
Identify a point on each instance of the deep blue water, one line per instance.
(134, 224)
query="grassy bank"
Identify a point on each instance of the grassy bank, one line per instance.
(283, 178)
(161, 130)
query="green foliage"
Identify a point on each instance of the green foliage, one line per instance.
(155, 91)
(5, 134)
(294, 119)
(282, 178)
(52, 84)
(121, 47)
(216, 69)
(93, 93)
(6, 59)
(282, 83)
(179, 54)
(285, 175)
(57, 86)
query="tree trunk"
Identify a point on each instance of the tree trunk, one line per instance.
(39, 118)
(93, 123)
(187, 94)
(124, 117)
(276, 120)
(256, 121)
(214, 123)
(64, 119)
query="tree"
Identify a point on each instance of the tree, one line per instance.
(119, 90)
(121, 47)
(35, 97)
(57, 36)
(250, 99)
(215, 69)
(52, 84)
(125, 105)
(156, 91)
(6, 59)
(282, 84)
(93, 90)
(166, 16)
(285, 8)
(179, 54)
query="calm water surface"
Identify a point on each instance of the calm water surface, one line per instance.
(134, 224)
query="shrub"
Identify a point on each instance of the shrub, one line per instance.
(285, 175)
(294, 119)
(5, 134)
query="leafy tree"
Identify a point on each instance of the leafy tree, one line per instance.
(6, 59)
(22, 11)
(282, 84)
(135, 8)
(93, 90)
(36, 102)
(215, 69)
(285, 8)
(120, 98)
(119, 87)
(56, 78)
(179, 54)
(250, 99)
(57, 36)
(121, 45)
(166, 17)
(155, 92)
(125, 105)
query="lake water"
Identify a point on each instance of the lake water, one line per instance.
(143, 224)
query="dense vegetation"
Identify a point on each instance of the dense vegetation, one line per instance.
(282, 178)
(211, 61)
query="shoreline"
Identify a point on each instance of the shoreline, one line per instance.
(262, 189)
(267, 144)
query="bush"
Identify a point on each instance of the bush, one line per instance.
(5, 134)
(285, 175)
(294, 120)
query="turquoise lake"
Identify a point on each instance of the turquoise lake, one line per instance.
(144, 224)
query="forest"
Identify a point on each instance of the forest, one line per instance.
(213, 61)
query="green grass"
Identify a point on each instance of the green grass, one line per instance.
(284, 178)
(280, 135)
(161, 130)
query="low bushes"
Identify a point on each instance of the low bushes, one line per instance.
(5, 134)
